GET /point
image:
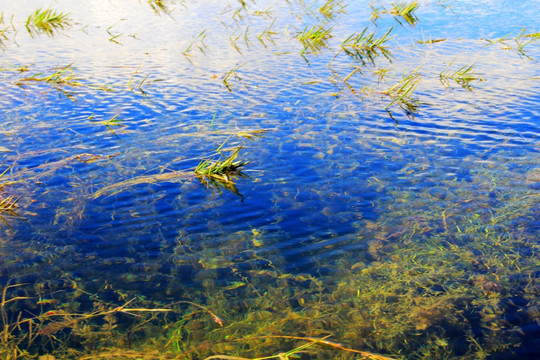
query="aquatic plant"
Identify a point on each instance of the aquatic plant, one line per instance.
(518, 42)
(314, 38)
(8, 203)
(5, 30)
(331, 8)
(440, 281)
(266, 34)
(462, 76)
(365, 47)
(161, 6)
(401, 91)
(405, 11)
(11, 338)
(430, 41)
(399, 10)
(198, 41)
(59, 79)
(310, 342)
(232, 73)
(113, 37)
(63, 75)
(46, 21)
(114, 121)
(222, 167)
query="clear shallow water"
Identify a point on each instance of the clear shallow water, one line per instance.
(411, 235)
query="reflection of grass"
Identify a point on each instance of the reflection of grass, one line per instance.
(46, 21)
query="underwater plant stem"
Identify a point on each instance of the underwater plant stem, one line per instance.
(323, 341)
(216, 318)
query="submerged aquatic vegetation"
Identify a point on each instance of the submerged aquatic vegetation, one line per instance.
(439, 282)
(11, 336)
(47, 21)
(144, 179)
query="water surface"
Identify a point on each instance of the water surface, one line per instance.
(399, 226)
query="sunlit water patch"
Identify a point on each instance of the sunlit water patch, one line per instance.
(388, 203)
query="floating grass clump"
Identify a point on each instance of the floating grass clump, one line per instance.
(233, 73)
(221, 173)
(462, 76)
(46, 21)
(222, 167)
(161, 6)
(199, 43)
(331, 8)
(365, 47)
(401, 11)
(4, 30)
(518, 42)
(314, 38)
(405, 11)
(401, 92)
(60, 78)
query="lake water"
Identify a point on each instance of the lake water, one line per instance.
(389, 204)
